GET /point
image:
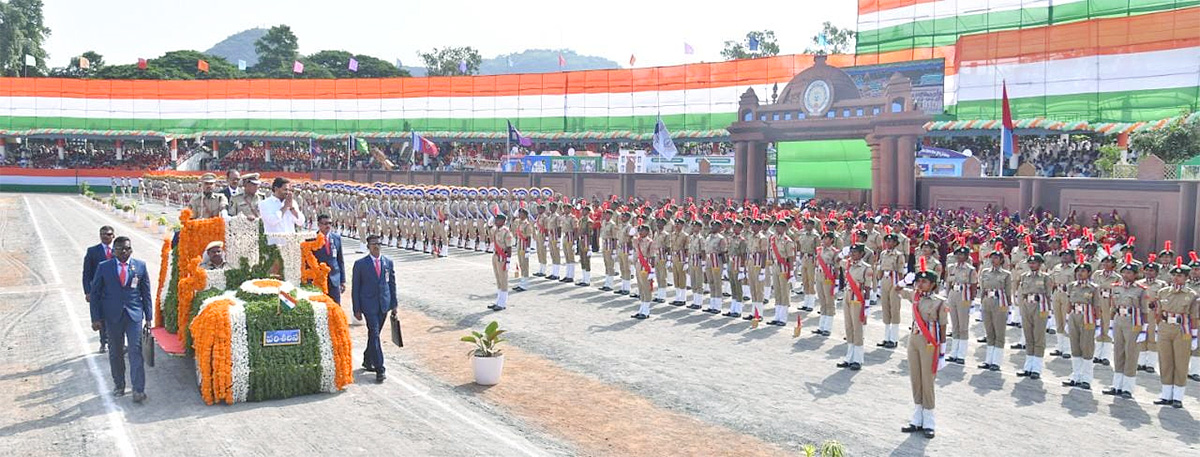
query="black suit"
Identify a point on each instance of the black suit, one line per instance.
(331, 255)
(91, 261)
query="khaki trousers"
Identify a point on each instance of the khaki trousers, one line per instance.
(920, 370)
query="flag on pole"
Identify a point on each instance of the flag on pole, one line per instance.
(423, 145)
(142, 64)
(297, 67)
(1007, 142)
(687, 49)
(462, 66)
(515, 137)
(632, 60)
(241, 65)
(562, 61)
(753, 43)
(353, 65)
(287, 300)
(84, 64)
(202, 65)
(822, 40)
(361, 145)
(662, 141)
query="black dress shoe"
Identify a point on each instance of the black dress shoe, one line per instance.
(1052, 331)
(1023, 374)
(606, 288)
(492, 307)
(1066, 355)
(498, 309)
(1194, 377)
(693, 307)
(1106, 363)
(1111, 391)
(983, 366)
(910, 428)
(119, 392)
(1085, 386)
(552, 277)
(379, 378)
(881, 344)
(582, 284)
(960, 361)
(567, 280)
(735, 315)
(1035, 376)
(637, 316)
(712, 311)
(1162, 401)
(843, 364)
(855, 366)
(1096, 360)
(368, 368)
(623, 292)
(994, 367)
(676, 303)
(658, 300)
(1126, 395)
(518, 289)
(747, 317)
(539, 274)
(1177, 404)
(772, 322)
(728, 314)
(1017, 346)
(816, 331)
(981, 340)
(634, 296)
(1150, 369)
(1056, 353)
(1070, 383)
(892, 345)
(929, 433)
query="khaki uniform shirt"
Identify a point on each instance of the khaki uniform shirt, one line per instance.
(204, 208)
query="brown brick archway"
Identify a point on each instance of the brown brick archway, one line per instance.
(823, 103)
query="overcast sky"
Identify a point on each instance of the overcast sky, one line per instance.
(654, 31)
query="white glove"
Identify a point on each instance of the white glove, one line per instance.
(910, 278)
(1097, 331)
(762, 276)
(1194, 343)
(1141, 338)
(651, 277)
(942, 361)
(845, 252)
(670, 264)
(741, 274)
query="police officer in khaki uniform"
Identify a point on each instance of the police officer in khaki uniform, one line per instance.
(503, 239)
(662, 242)
(208, 203)
(625, 234)
(608, 248)
(926, 340)
(735, 270)
(523, 230)
(695, 253)
(889, 271)
(568, 226)
(553, 222)
(245, 203)
(756, 270)
(715, 250)
(961, 281)
(826, 258)
(1105, 279)
(1130, 305)
(678, 251)
(1176, 308)
(1148, 360)
(644, 251)
(1033, 293)
(585, 234)
(995, 282)
(807, 241)
(214, 256)
(859, 282)
(781, 251)
(1063, 275)
(1083, 311)
(541, 236)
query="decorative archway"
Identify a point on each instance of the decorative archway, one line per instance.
(823, 103)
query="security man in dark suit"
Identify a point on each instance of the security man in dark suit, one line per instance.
(91, 260)
(374, 294)
(331, 255)
(120, 299)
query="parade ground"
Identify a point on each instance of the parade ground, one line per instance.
(581, 377)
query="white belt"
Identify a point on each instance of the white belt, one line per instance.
(1125, 311)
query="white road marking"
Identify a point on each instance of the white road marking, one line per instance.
(113, 413)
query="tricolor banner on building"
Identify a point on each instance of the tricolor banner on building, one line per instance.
(1090, 60)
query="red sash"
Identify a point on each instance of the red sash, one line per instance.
(645, 264)
(856, 289)
(500, 253)
(524, 241)
(824, 267)
(779, 258)
(930, 338)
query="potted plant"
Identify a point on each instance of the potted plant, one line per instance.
(162, 225)
(486, 357)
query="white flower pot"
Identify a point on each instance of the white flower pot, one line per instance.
(487, 369)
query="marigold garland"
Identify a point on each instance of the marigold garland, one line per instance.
(339, 335)
(193, 238)
(312, 271)
(212, 346)
(162, 282)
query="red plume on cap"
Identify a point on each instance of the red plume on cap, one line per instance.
(1050, 232)
(1130, 240)
(1178, 261)
(853, 237)
(1107, 249)
(1079, 258)
(1029, 248)
(1192, 255)
(1091, 236)
(922, 262)
(1128, 259)
(1167, 245)
(926, 236)
(1021, 229)
(887, 230)
(1029, 240)
(1065, 245)
(1151, 258)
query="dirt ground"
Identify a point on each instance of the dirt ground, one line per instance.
(581, 378)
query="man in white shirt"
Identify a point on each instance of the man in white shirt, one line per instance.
(280, 213)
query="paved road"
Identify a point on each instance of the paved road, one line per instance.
(55, 387)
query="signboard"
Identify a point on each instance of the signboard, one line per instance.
(927, 76)
(940, 167)
(290, 337)
(553, 164)
(718, 165)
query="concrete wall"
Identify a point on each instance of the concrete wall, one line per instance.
(1154, 211)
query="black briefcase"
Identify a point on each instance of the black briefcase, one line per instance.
(147, 346)
(397, 335)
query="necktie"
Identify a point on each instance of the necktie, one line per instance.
(377, 271)
(107, 252)
(122, 275)
(328, 248)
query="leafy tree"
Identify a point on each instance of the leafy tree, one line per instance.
(337, 63)
(445, 61)
(543, 61)
(73, 70)
(1175, 143)
(22, 32)
(182, 65)
(278, 49)
(767, 46)
(837, 40)
(131, 71)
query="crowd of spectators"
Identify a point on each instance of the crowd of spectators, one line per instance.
(254, 157)
(87, 155)
(1071, 156)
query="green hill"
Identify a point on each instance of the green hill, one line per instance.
(239, 46)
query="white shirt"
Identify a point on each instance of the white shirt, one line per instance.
(275, 220)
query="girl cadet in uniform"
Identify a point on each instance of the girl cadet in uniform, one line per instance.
(925, 346)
